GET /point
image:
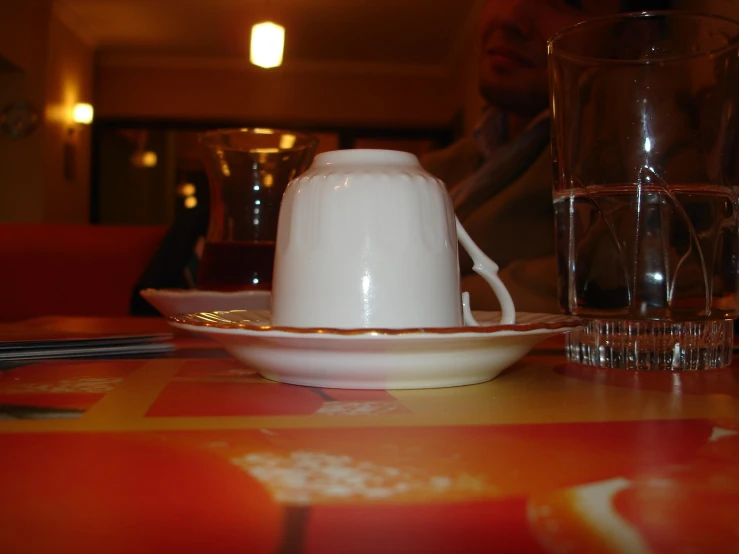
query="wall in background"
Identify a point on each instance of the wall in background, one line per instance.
(25, 42)
(17, 43)
(277, 96)
(54, 72)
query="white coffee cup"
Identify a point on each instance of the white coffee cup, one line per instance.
(368, 239)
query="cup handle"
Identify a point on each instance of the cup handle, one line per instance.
(488, 270)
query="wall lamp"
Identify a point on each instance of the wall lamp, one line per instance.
(83, 113)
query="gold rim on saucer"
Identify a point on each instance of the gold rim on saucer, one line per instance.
(259, 321)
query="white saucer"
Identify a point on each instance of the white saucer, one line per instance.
(171, 302)
(375, 358)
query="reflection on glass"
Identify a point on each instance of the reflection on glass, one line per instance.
(287, 141)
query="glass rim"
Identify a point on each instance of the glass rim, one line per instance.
(207, 137)
(733, 43)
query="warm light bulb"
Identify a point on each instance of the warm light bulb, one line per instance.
(267, 44)
(82, 113)
(149, 159)
(187, 189)
(144, 159)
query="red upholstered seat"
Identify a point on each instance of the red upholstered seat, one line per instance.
(58, 269)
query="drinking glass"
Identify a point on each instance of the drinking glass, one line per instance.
(248, 170)
(644, 142)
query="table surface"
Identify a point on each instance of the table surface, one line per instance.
(193, 452)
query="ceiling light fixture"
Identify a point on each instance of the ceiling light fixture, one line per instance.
(267, 44)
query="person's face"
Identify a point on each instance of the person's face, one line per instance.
(514, 34)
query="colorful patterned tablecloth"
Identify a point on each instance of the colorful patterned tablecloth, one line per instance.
(193, 452)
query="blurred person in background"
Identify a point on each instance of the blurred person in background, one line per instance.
(500, 178)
